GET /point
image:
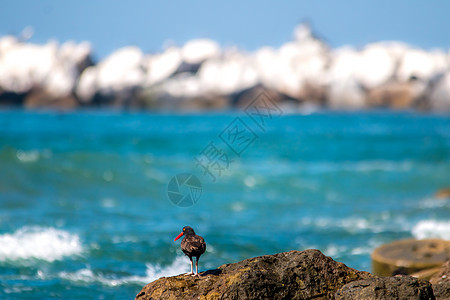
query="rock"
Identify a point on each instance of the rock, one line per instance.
(305, 71)
(60, 81)
(24, 66)
(409, 256)
(376, 65)
(116, 77)
(442, 193)
(426, 274)
(372, 70)
(77, 54)
(87, 85)
(196, 52)
(438, 98)
(183, 91)
(297, 69)
(10, 99)
(192, 104)
(7, 42)
(443, 275)
(199, 50)
(39, 98)
(183, 85)
(290, 275)
(421, 64)
(442, 291)
(392, 74)
(343, 89)
(29, 69)
(268, 101)
(162, 66)
(231, 73)
(265, 63)
(302, 67)
(441, 282)
(397, 95)
(397, 287)
(346, 94)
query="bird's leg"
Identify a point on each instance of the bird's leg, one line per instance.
(192, 267)
(196, 266)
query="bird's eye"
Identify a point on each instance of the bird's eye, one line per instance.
(184, 229)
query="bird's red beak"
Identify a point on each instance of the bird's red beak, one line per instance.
(180, 235)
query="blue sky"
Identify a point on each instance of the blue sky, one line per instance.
(109, 25)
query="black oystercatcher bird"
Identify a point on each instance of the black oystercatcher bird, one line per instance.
(192, 245)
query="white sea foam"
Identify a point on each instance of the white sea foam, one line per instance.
(27, 156)
(41, 243)
(180, 265)
(30, 156)
(17, 289)
(365, 166)
(350, 224)
(363, 250)
(434, 203)
(432, 229)
(250, 181)
(237, 206)
(335, 250)
(359, 225)
(108, 202)
(380, 165)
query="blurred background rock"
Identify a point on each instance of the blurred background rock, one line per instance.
(200, 75)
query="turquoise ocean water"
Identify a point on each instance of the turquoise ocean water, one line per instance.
(85, 214)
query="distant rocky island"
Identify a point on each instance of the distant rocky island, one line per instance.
(304, 73)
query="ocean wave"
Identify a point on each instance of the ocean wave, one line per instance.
(180, 265)
(27, 156)
(383, 222)
(350, 224)
(48, 244)
(32, 155)
(432, 202)
(334, 250)
(360, 166)
(432, 229)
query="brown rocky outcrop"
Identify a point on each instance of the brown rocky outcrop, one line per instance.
(409, 256)
(305, 274)
(441, 282)
(396, 287)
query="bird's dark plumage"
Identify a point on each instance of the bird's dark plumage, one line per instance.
(192, 245)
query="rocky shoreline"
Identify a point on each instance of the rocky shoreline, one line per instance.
(307, 274)
(200, 75)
